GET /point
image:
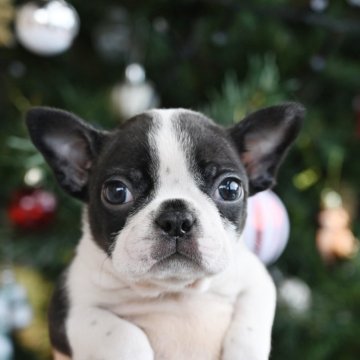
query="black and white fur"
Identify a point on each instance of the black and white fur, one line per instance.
(139, 289)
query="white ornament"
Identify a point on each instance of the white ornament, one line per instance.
(22, 316)
(6, 348)
(317, 63)
(319, 5)
(296, 295)
(34, 176)
(354, 2)
(15, 311)
(135, 95)
(47, 29)
(5, 315)
(267, 227)
(112, 37)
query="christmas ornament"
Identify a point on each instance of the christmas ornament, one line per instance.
(6, 348)
(33, 176)
(48, 28)
(34, 337)
(5, 316)
(32, 208)
(6, 16)
(17, 69)
(306, 178)
(112, 35)
(16, 297)
(317, 63)
(15, 311)
(135, 95)
(267, 227)
(334, 238)
(161, 25)
(295, 294)
(354, 3)
(319, 5)
(219, 38)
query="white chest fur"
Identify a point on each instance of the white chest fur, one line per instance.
(192, 325)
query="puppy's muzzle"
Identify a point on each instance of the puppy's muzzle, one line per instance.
(178, 228)
(175, 219)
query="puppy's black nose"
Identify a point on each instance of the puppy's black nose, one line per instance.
(175, 219)
(175, 223)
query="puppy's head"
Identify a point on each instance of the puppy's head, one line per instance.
(166, 191)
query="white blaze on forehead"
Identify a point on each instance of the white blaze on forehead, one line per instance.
(174, 176)
(176, 180)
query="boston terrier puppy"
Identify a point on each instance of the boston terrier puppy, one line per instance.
(161, 271)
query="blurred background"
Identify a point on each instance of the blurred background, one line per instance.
(109, 59)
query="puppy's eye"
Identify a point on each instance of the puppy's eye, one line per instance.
(229, 189)
(116, 192)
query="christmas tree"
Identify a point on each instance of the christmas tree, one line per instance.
(225, 58)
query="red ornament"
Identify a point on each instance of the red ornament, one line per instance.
(32, 209)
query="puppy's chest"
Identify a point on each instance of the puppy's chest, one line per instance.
(183, 327)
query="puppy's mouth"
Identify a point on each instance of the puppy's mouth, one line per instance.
(175, 256)
(176, 263)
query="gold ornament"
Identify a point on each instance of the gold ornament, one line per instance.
(7, 13)
(35, 337)
(334, 238)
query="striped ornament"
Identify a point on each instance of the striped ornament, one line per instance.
(267, 227)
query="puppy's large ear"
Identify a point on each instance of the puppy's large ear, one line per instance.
(262, 140)
(68, 144)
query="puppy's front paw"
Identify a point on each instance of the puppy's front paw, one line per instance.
(245, 352)
(243, 355)
(108, 338)
(132, 347)
(114, 348)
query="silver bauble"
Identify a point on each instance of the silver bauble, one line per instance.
(47, 29)
(296, 295)
(6, 348)
(135, 95)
